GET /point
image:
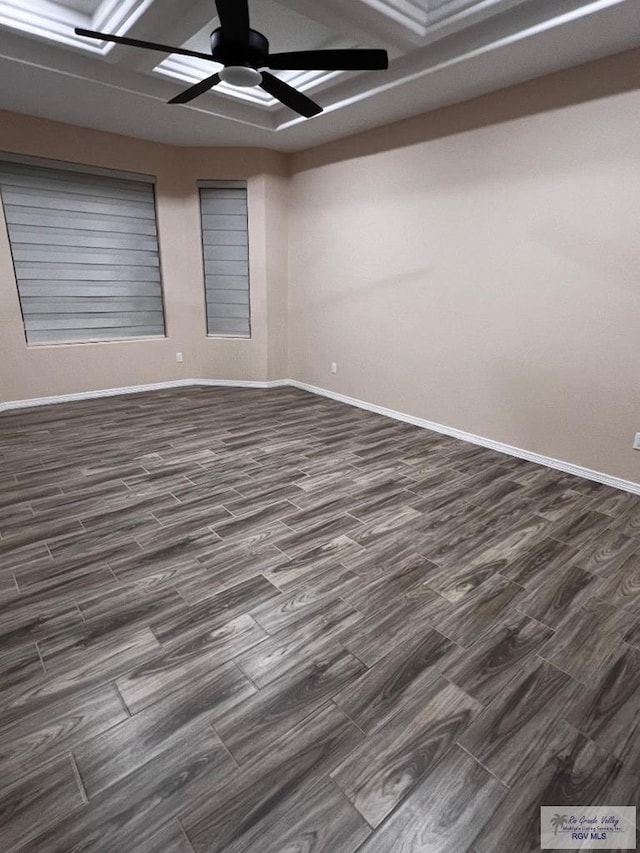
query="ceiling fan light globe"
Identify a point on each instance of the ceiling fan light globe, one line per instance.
(241, 75)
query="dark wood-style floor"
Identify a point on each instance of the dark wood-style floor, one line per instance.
(237, 620)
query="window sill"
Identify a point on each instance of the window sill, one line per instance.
(229, 337)
(144, 339)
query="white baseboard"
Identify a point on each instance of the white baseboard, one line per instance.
(539, 459)
(242, 383)
(136, 389)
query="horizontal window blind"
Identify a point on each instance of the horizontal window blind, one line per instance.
(225, 243)
(85, 252)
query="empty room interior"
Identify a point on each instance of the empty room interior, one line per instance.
(319, 426)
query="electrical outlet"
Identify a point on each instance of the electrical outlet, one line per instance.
(334, 367)
(636, 442)
(179, 358)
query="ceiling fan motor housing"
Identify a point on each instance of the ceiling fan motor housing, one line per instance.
(254, 52)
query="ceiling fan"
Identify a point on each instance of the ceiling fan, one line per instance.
(244, 53)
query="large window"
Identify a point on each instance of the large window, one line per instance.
(85, 252)
(225, 243)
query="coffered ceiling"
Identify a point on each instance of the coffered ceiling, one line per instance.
(441, 52)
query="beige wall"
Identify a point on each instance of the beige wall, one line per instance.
(475, 267)
(27, 372)
(478, 266)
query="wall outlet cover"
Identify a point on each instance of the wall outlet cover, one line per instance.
(636, 442)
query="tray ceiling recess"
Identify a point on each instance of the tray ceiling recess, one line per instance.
(441, 52)
(244, 60)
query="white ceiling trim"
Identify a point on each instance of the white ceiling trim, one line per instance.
(410, 15)
(464, 56)
(53, 22)
(218, 110)
(456, 9)
(118, 17)
(466, 16)
(442, 51)
(373, 26)
(44, 19)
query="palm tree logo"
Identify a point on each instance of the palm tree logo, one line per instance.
(557, 821)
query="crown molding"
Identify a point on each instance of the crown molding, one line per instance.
(54, 22)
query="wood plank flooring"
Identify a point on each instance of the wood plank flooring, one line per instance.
(240, 621)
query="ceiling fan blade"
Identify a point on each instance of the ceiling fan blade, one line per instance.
(330, 60)
(149, 45)
(289, 96)
(234, 20)
(199, 89)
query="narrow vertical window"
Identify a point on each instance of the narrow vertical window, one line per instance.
(225, 245)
